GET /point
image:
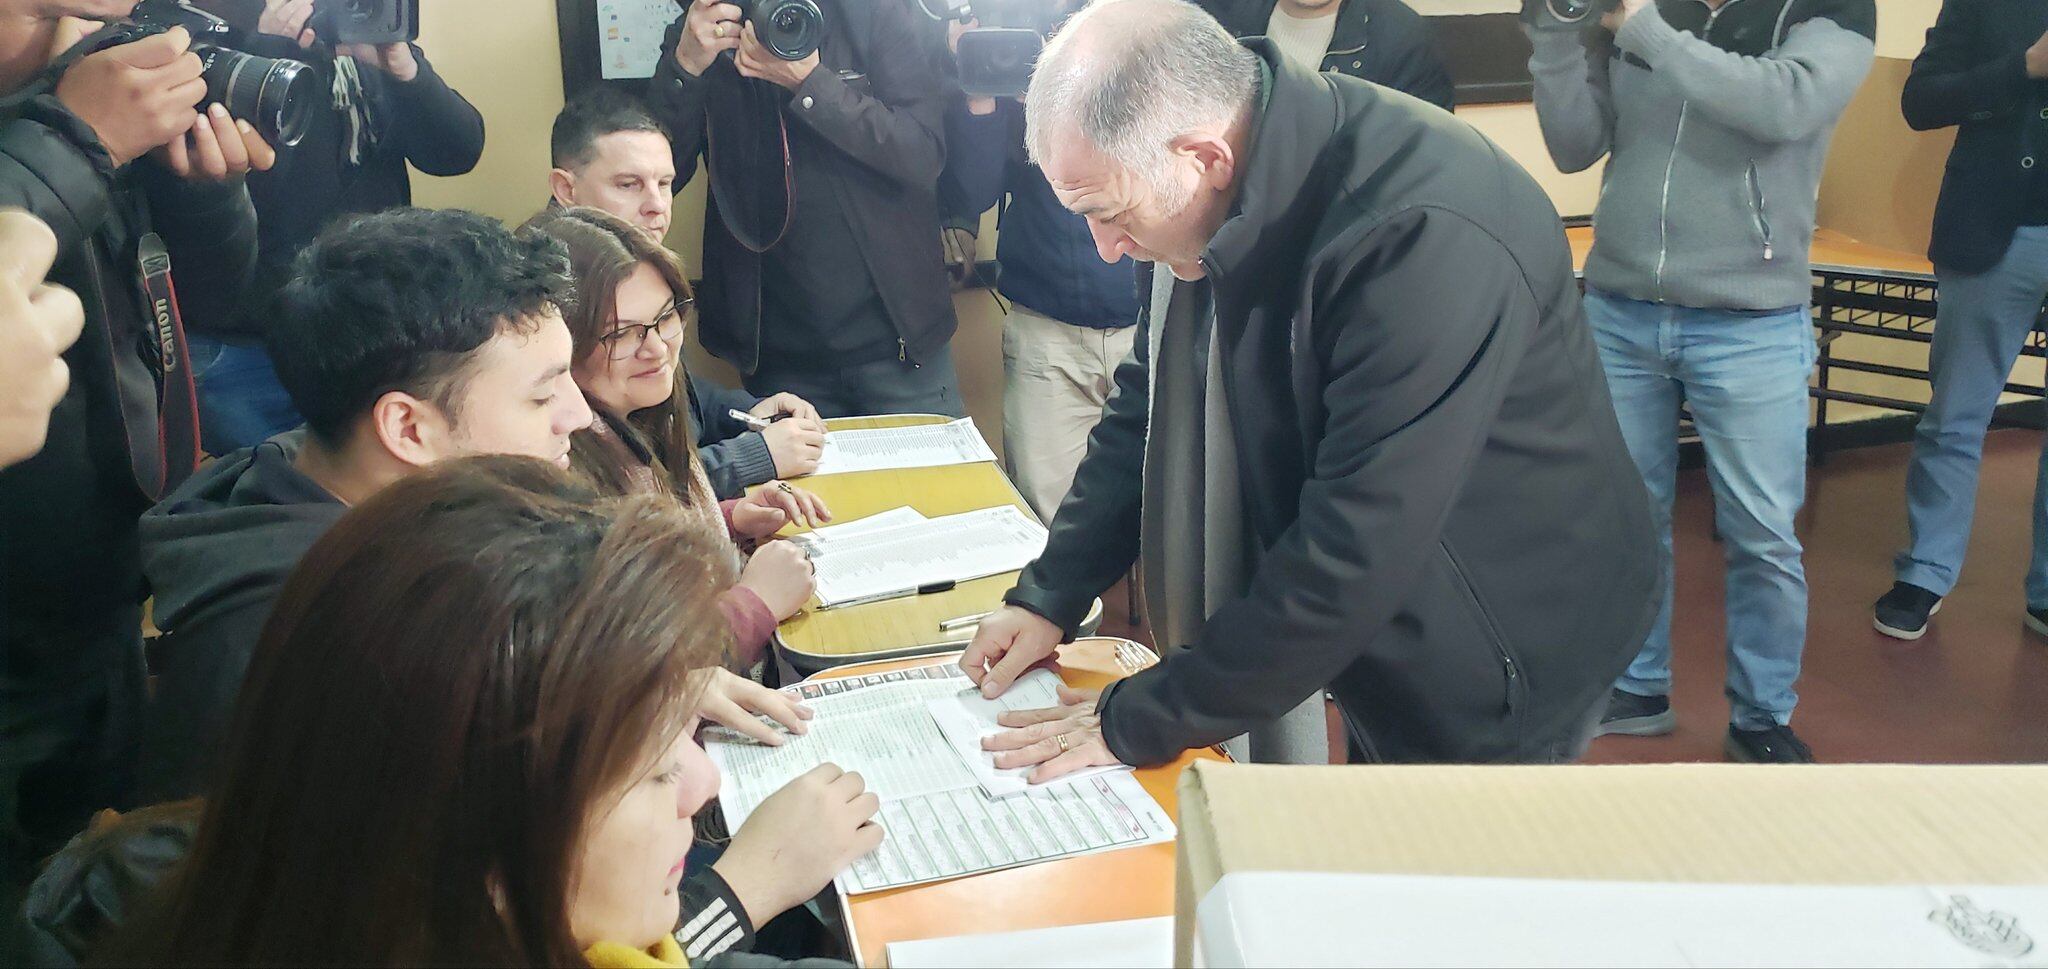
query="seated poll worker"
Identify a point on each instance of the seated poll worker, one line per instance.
(1364, 444)
(611, 154)
(504, 772)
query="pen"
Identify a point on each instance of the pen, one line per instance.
(757, 423)
(961, 622)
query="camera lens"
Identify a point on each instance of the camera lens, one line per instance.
(790, 29)
(275, 95)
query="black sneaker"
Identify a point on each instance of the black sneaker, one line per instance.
(2037, 620)
(1771, 745)
(1637, 716)
(1903, 612)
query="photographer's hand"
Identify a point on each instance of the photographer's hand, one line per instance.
(710, 27)
(756, 61)
(218, 149)
(393, 59)
(287, 19)
(136, 96)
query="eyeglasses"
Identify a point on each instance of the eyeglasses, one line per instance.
(624, 340)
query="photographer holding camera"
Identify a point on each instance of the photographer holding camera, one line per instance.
(119, 147)
(822, 268)
(381, 106)
(1715, 117)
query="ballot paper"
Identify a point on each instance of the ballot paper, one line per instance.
(919, 446)
(905, 515)
(966, 718)
(939, 823)
(879, 563)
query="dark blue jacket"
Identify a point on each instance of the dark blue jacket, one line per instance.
(1048, 259)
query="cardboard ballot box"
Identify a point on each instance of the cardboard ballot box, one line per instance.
(1651, 865)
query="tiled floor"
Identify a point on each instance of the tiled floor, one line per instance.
(1975, 689)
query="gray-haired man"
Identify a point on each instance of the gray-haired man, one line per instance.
(1363, 444)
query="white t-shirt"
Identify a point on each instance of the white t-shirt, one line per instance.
(1303, 40)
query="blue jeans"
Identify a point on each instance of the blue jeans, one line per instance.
(241, 404)
(1744, 377)
(1981, 321)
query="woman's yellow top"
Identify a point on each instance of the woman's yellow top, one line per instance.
(666, 954)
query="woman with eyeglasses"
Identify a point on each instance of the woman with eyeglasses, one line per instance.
(627, 320)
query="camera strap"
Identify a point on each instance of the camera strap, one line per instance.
(752, 211)
(177, 398)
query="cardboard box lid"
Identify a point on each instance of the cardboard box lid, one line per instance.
(1682, 822)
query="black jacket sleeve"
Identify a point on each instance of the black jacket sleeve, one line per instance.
(200, 669)
(1094, 536)
(712, 921)
(978, 150)
(895, 130)
(679, 100)
(55, 169)
(1955, 80)
(440, 132)
(1416, 371)
(210, 230)
(734, 455)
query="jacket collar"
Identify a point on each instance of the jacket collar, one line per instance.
(1280, 191)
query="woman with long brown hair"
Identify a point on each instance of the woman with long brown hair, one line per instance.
(467, 737)
(627, 318)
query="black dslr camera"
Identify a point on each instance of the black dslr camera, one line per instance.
(366, 21)
(790, 29)
(996, 57)
(275, 95)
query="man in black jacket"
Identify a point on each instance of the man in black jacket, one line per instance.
(105, 149)
(1382, 41)
(1985, 70)
(381, 109)
(1364, 445)
(822, 268)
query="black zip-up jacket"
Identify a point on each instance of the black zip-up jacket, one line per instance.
(424, 122)
(884, 131)
(71, 579)
(1973, 74)
(1452, 538)
(1382, 41)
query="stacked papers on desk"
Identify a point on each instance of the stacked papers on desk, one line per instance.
(870, 560)
(939, 822)
(890, 448)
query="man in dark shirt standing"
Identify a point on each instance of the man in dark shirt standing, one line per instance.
(842, 299)
(390, 109)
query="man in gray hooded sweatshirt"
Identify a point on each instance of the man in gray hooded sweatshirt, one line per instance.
(1714, 116)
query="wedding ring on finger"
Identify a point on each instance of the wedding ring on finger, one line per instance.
(719, 31)
(1062, 741)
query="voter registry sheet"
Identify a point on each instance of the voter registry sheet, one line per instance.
(939, 817)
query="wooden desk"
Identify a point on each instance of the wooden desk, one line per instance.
(818, 639)
(1831, 250)
(1133, 883)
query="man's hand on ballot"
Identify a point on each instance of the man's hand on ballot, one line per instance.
(1010, 642)
(1059, 740)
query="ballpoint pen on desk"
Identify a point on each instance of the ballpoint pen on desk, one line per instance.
(962, 622)
(757, 423)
